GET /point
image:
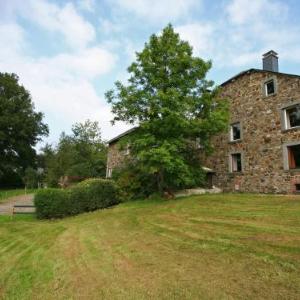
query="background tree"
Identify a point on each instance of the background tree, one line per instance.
(31, 178)
(21, 127)
(81, 154)
(49, 165)
(173, 103)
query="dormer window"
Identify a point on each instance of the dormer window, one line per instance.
(269, 87)
(235, 132)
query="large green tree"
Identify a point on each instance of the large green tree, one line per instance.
(173, 104)
(80, 154)
(21, 127)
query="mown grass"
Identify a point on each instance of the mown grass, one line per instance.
(202, 247)
(5, 194)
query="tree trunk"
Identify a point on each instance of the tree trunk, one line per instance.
(160, 182)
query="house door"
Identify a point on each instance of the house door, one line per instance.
(209, 180)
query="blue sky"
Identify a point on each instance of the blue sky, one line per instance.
(68, 53)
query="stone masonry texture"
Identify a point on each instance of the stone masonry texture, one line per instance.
(115, 156)
(263, 137)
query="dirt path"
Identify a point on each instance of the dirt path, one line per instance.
(6, 207)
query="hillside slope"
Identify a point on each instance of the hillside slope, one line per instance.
(204, 247)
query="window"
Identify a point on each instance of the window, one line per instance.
(127, 150)
(198, 143)
(297, 188)
(294, 156)
(235, 132)
(269, 87)
(236, 162)
(109, 173)
(292, 116)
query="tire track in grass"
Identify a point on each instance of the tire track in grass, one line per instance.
(28, 262)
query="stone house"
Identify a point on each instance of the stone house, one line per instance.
(261, 150)
(115, 155)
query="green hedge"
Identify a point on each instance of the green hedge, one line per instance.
(88, 195)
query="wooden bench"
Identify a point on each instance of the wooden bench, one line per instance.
(15, 209)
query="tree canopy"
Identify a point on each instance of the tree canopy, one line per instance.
(81, 154)
(21, 127)
(173, 104)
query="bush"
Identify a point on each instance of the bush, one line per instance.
(100, 193)
(52, 203)
(88, 195)
(134, 183)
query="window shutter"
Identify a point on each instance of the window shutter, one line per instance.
(292, 163)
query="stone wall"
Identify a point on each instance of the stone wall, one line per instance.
(115, 156)
(263, 138)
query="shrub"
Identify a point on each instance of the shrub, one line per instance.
(100, 193)
(51, 203)
(134, 183)
(88, 195)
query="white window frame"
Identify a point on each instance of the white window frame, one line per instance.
(286, 165)
(231, 162)
(266, 87)
(109, 173)
(198, 143)
(231, 132)
(127, 150)
(286, 118)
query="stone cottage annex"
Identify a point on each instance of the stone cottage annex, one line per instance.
(261, 150)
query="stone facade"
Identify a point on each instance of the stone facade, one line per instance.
(264, 139)
(115, 157)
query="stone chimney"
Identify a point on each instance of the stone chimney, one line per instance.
(270, 61)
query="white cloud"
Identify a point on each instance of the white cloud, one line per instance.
(109, 27)
(199, 36)
(87, 63)
(245, 30)
(64, 20)
(88, 5)
(69, 102)
(159, 9)
(61, 85)
(76, 30)
(12, 39)
(259, 26)
(243, 11)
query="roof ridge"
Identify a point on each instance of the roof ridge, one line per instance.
(256, 70)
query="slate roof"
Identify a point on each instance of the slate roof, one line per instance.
(115, 139)
(256, 71)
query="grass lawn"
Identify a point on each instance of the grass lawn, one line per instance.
(4, 194)
(202, 247)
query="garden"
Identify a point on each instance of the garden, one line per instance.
(202, 247)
